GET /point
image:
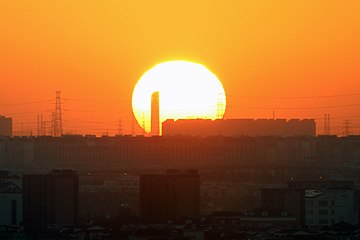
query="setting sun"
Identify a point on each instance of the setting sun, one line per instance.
(186, 90)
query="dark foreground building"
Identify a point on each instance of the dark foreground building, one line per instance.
(169, 196)
(50, 200)
(284, 198)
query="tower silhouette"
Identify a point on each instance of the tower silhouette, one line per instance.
(41, 129)
(327, 124)
(143, 124)
(155, 114)
(57, 120)
(220, 108)
(120, 132)
(347, 127)
(132, 125)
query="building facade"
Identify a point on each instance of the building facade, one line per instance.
(169, 196)
(50, 199)
(328, 206)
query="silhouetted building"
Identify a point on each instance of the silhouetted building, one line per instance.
(169, 196)
(239, 127)
(278, 198)
(155, 114)
(50, 200)
(5, 126)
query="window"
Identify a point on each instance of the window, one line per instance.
(323, 221)
(332, 202)
(333, 212)
(323, 203)
(13, 212)
(323, 212)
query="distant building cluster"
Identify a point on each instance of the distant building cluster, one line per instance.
(88, 153)
(315, 203)
(5, 126)
(48, 205)
(239, 127)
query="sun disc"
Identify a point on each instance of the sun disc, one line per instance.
(187, 90)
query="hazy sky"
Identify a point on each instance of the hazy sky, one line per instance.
(262, 51)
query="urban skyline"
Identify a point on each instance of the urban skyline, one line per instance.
(181, 120)
(304, 67)
(327, 124)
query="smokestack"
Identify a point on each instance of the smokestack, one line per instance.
(155, 114)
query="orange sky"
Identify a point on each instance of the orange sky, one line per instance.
(95, 51)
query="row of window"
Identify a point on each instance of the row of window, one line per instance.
(323, 203)
(323, 212)
(321, 221)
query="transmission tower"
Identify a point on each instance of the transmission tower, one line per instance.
(38, 125)
(220, 108)
(143, 124)
(133, 126)
(57, 121)
(347, 127)
(41, 127)
(120, 132)
(327, 124)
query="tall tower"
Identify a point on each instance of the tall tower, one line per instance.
(347, 124)
(155, 114)
(220, 108)
(57, 121)
(327, 124)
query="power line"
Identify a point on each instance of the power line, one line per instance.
(93, 100)
(295, 97)
(90, 111)
(299, 108)
(14, 113)
(26, 103)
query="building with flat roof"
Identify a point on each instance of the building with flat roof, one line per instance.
(5, 126)
(315, 203)
(239, 127)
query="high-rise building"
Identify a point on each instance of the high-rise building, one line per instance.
(165, 197)
(155, 114)
(5, 126)
(50, 199)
